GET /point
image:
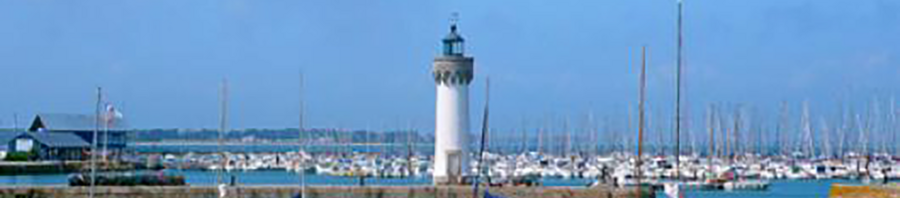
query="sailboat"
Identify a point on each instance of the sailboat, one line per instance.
(222, 187)
(481, 154)
(300, 139)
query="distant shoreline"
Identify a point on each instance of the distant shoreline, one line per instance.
(273, 143)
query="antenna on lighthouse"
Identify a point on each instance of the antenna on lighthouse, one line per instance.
(454, 19)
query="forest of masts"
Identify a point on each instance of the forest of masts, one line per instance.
(727, 130)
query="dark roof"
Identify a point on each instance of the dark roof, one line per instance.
(57, 140)
(453, 36)
(71, 122)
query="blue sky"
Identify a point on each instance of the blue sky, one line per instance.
(367, 63)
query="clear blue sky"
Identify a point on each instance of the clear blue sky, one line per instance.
(367, 63)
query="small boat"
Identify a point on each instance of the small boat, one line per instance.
(673, 190)
(745, 185)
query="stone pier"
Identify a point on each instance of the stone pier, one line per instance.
(317, 192)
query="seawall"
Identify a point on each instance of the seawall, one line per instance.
(57, 167)
(317, 192)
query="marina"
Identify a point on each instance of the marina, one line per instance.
(556, 99)
(360, 169)
(614, 166)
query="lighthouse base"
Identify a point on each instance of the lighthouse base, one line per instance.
(440, 181)
(450, 168)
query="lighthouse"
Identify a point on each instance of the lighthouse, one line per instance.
(452, 72)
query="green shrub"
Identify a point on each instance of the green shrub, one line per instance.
(18, 156)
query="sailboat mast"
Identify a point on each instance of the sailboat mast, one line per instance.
(727, 133)
(712, 135)
(868, 129)
(607, 131)
(842, 136)
(725, 146)
(642, 96)
(301, 137)
(595, 137)
(627, 139)
(540, 147)
(893, 125)
(567, 147)
(878, 125)
(779, 129)
(484, 131)
(826, 139)
(736, 132)
(860, 134)
(807, 130)
(409, 148)
(678, 96)
(524, 136)
(223, 116)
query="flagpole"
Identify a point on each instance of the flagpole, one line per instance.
(94, 144)
(106, 120)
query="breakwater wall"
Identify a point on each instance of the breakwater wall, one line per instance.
(318, 192)
(17, 168)
(57, 167)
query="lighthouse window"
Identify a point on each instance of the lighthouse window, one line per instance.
(448, 48)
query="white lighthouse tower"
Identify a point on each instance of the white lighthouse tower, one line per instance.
(453, 72)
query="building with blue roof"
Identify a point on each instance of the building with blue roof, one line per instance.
(111, 134)
(49, 146)
(67, 137)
